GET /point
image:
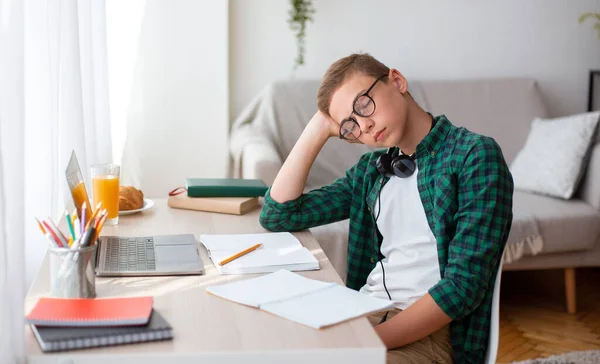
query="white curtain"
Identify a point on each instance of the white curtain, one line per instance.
(66, 105)
(53, 99)
(12, 270)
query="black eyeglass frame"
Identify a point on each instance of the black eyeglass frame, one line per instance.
(351, 119)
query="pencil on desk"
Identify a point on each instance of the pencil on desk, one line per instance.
(74, 221)
(74, 217)
(53, 242)
(82, 218)
(101, 217)
(94, 214)
(53, 235)
(46, 234)
(87, 239)
(40, 226)
(242, 253)
(61, 237)
(70, 225)
(100, 225)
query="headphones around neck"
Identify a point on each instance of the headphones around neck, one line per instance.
(396, 163)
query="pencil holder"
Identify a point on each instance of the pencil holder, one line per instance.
(72, 272)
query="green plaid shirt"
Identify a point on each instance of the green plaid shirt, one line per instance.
(466, 190)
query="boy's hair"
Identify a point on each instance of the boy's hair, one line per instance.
(343, 68)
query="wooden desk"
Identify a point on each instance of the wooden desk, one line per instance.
(208, 329)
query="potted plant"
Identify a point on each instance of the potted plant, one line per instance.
(300, 13)
(595, 16)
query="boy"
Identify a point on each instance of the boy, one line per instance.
(429, 216)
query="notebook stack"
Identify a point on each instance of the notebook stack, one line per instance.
(223, 195)
(67, 324)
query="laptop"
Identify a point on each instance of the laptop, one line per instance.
(157, 255)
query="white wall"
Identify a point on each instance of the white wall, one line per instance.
(168, 73)
(424, 40)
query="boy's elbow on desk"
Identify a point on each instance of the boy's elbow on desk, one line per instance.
(268, 224)
(277, 222)
(286, 216)
(271, 221)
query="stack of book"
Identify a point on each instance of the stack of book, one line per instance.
(224, 195)
(67, 324)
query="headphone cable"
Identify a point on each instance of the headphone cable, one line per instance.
(384, 318)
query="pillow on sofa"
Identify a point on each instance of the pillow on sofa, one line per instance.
(554, 157)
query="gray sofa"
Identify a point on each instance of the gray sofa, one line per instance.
(263, 135)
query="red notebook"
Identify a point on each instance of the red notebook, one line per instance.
(91, 312)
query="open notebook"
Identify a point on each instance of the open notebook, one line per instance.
(278, 251)
(306, 301)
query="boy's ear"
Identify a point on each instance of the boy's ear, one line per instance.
(398, 80)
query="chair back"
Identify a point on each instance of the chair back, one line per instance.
(492, 350)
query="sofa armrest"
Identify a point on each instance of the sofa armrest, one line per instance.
(260, 161)
(590, 185)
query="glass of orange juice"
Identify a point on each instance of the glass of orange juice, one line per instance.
(105, 188)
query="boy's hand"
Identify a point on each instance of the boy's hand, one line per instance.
(325, 125)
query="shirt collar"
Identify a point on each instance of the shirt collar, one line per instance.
(435, 138)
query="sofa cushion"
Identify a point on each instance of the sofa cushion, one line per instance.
(565, 225)
(555, 155)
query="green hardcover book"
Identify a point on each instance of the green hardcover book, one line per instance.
(225, 187)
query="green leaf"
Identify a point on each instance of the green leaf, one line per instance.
(584, 16)
(300, 13)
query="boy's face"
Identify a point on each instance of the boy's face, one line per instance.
(385, 126)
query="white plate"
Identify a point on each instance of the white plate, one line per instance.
(148, 204)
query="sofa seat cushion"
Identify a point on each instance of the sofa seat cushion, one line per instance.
(565, 225)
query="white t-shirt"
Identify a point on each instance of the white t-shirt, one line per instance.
(409, 246)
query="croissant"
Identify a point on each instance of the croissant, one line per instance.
(130, 198)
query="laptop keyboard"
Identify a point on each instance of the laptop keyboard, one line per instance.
(129, 254)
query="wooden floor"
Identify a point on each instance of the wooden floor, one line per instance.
(533, 318)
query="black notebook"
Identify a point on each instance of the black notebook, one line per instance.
(52, 338)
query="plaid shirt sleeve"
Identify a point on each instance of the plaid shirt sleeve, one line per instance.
(321, 206)
(484, 217)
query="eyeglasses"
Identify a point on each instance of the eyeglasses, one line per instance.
(363, 106)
